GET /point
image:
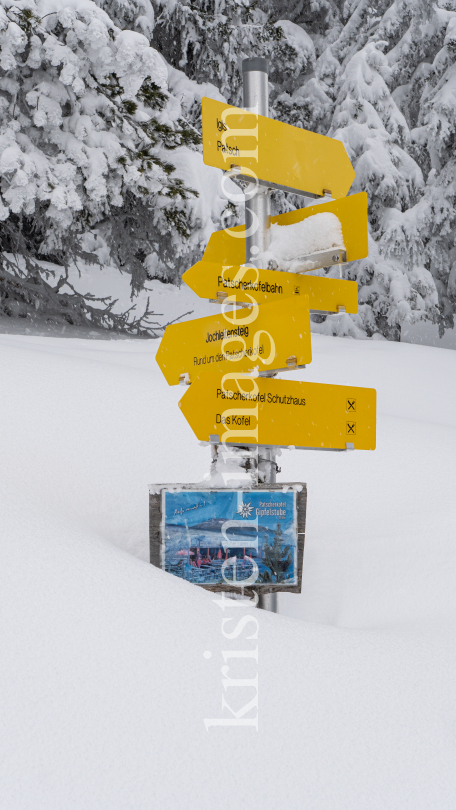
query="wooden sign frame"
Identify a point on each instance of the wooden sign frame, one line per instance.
(158, 533)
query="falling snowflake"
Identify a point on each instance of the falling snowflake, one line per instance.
(245, 510)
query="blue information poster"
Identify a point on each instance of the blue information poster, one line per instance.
(231, 537)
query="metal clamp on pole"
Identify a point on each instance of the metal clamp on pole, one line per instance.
(270, 461)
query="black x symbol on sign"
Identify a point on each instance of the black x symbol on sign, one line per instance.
(351, 428)
(351, 404)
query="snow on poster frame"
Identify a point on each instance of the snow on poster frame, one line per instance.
(236, 540)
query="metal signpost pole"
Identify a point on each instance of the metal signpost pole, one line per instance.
(257, 208)
(257, 218)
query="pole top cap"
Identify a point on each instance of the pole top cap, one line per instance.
(257, 63)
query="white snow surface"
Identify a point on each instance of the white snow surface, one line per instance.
(167, 301)
(104, 682)
(289, 244)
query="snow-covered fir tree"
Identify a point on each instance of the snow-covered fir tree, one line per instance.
(88, 133)
(393, 282)
(370, 76)
(131, 74)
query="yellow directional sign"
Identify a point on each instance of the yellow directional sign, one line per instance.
(241, 409)
(280, 155)
(247, 284)
(270, 337)
(228, 246)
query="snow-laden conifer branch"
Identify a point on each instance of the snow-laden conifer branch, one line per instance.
(24, 292)
(87, 124)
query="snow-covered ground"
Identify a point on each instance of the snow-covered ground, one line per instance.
(167, 303)
(103, 679)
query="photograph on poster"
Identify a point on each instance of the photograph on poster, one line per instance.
(217, 537)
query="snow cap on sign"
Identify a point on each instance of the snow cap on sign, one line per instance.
(290, 244)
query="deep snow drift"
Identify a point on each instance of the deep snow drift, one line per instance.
(104, 682)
